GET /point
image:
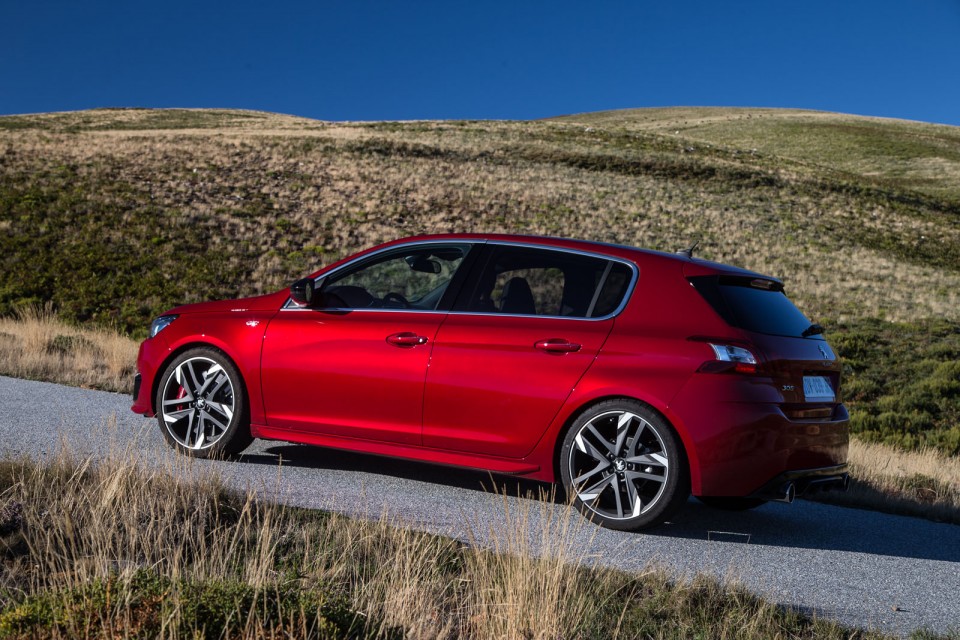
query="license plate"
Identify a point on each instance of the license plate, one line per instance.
(817, 389)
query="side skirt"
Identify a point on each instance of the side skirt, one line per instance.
(423, 454)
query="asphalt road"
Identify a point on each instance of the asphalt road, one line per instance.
(864, 569)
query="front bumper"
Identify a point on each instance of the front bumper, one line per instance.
(150, 358)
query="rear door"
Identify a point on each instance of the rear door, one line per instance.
(523, 333)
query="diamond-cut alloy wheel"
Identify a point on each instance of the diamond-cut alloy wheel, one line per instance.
(623, 465)
(201, 406)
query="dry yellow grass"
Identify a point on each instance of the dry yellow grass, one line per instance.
(925, 484)
(110, 119)
(874, 462)
(38, 346)
(123, 546)
(73, 525)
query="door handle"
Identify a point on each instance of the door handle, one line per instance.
(557, 345)
(406, 339)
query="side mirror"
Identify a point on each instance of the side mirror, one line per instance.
(303, 291)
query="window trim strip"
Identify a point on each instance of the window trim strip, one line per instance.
(600, 285)
(628, 293)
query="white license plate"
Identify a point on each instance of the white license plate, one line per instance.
(817, 389)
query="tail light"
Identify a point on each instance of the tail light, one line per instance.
(728, 357)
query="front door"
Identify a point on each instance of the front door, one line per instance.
(354, 364)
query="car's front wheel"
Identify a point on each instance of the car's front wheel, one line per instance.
(202, 405)
(624, 466)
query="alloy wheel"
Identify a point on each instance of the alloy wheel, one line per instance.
(618, 465)
(198, 403)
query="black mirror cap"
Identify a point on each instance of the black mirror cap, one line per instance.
(302, 291)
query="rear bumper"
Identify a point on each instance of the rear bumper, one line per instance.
(765, 447)
(739, 439)
(760, 447)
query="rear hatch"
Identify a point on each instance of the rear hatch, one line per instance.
(792, 350)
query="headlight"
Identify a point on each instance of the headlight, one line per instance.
(160, 324)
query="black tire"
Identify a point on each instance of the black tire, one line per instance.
(202, 405)
(624, 466)
(731, 503)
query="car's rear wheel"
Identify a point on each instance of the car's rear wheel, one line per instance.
(624, 465)
(202, 405)
(731, 503)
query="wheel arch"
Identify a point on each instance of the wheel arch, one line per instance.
(183, 348)
(687, 450)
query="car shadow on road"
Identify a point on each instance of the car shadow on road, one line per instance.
(815, 525)
(305, 456)
(803, 524)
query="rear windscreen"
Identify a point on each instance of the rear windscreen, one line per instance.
(753, 304)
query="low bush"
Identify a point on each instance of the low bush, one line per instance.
(902, 381)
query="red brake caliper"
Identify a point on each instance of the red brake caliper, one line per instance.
(181, 393)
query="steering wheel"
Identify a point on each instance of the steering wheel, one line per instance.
(392, 296)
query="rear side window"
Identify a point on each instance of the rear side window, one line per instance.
(752, 304)
(545, 282)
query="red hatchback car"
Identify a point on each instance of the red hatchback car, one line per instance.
(634, 377)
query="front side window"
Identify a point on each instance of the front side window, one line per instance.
(545, 282)
(413, 278)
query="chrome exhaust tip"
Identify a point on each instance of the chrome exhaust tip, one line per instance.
(787, 493)
(788, 486)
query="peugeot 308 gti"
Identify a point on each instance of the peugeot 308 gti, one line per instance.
(632, 377)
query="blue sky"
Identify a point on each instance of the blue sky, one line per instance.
(362, 60)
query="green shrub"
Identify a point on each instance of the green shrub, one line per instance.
(148, 603)
(902, 381)
(67, 345)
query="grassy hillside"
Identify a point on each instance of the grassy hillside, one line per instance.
(879, 151)
(115, 215)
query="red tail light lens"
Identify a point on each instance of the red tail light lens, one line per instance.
(728, 357)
